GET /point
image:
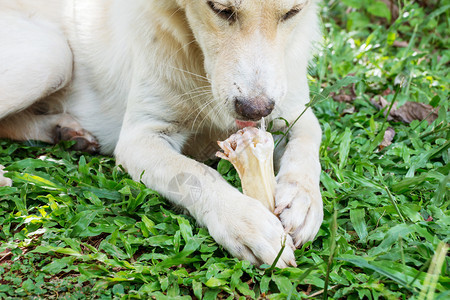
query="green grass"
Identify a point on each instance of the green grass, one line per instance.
(75, 226)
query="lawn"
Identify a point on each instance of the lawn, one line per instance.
(75, 226)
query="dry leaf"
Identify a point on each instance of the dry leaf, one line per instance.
(346, 94)
(388, 91)
(343, 98)
(389, 135)
(400, 44)
(349, 110)
(408, 112)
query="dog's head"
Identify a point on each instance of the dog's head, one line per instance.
(244, 43)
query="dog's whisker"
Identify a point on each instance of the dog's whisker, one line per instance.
(182, 47)
(203, 120)
(188, 98)
(208, 116)
(203, 78)
(217, 111)
(196, 111)
(199, 113)
(200, 110)
(196, 91)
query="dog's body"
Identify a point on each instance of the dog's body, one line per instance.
(156, 80)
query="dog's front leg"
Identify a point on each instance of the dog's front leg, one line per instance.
(298, 199)
(239, 223)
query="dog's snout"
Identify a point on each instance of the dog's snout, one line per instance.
(254, 108)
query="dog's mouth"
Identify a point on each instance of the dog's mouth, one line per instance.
(242, 124)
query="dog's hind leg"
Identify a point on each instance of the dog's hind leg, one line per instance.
(49, 128)
(35, 61)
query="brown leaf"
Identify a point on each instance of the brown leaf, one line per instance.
(388, 91)
(343, 98)
(389, 135)
(5, 255)
(400, 44)
(346, 94)
(408, 112)
(349, 110)
(379, 103)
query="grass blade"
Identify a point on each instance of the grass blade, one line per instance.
(430, 282)
(332, 253)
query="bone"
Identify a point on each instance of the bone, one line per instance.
(250, 150)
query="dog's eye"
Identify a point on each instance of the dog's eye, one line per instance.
(292, 13)
(224, 12)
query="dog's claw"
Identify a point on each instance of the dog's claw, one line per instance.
(293, 263)
(280, 208)
(300, 211)
(249, 231)
(84, 141)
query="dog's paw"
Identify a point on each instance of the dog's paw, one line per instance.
(84, 141)
(249, 231)
(4, 181)
(300, 210)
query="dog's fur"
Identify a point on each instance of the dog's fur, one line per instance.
(156, 82)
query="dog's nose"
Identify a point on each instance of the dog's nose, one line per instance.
(254, 108)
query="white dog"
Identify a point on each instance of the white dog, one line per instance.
(159, 81)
